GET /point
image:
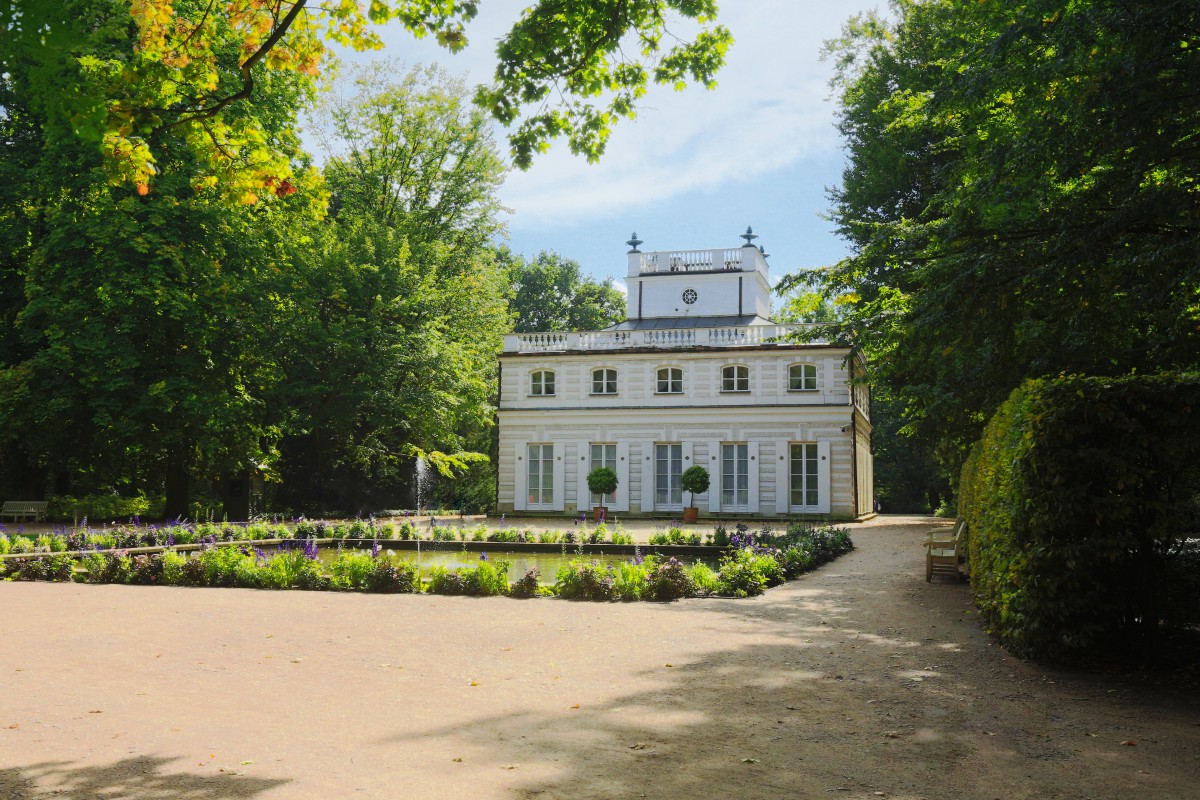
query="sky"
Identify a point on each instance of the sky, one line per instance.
(695, 167)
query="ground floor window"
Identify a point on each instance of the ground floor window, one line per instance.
(668, 467)
(604, 455)
(541, 475)
(735, 477)
(804, 475)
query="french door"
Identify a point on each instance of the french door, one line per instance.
(735, 477)
(541, 476)
(604, 455)
(668, 467)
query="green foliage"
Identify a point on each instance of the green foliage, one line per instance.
(745, 573)
(549, 293)
(526, 586)
(602, 480)
(675, 536)
(1078, 501)
(705, 579)
(1019, 202)
(577, 580)
(38, 568)
(694, 480)
(103, 507)
(630, 581)
(669, 580)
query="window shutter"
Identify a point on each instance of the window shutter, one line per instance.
(752, 476)
(687, 450)
(714, 466)
(521, 476)
(558, 495)
(783, 469)
(824, 469)
(583, 497)
(621, 501)
(647, 482)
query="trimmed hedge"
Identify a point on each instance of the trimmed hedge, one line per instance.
(1079, 499)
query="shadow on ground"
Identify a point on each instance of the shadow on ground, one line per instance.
(141, 778)
(856, 683)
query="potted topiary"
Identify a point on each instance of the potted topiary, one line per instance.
(601, 481)
(694, 480)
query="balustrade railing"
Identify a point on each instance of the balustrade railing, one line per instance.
(665, 338)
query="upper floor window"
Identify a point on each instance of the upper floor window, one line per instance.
(670, 381)
(542, 383)
(802, 378)
(604, 381)
(735, 379)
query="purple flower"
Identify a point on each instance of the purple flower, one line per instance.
(502, 522)
(170, 540)
(483, 556)
(375, 549)
(310, 549)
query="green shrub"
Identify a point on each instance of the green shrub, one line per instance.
(630, 581)
(443, 581)
(576, 580)
(669, 580)
(1078, 499)
(103, 507)
(38, 568)
(527, 586)
(705, 580)
(745, 573)
(394, 576)
(488, 579)
(549, 537)
(352, 570)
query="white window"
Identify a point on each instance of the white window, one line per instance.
(802, 378)
(804, 476)
(604, 455)
(668, 468)
(670, 381)
(604, 381)
(735, 477)
(541, 475)
(735, 379)
(541, 383)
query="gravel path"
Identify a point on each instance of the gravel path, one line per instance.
(858, 681)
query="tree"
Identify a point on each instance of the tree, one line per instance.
(550, 293)
(1018, 199)
(195, 70)
(135, 354)
(394, 309)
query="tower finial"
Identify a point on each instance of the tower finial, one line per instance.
(749, 236)
(633, 242)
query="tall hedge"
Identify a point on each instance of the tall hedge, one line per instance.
(1079, 498)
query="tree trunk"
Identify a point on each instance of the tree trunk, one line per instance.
(177, 487)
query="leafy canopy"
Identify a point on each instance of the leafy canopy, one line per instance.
(197, 68)
(1020, 198)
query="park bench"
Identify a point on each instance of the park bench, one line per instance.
(23, 509)
(943, 554)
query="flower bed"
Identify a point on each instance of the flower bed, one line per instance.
(747, 569)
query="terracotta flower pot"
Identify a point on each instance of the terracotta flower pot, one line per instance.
(690, 513)
(599, 513)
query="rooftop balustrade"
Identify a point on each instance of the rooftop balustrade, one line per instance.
(663, 338)
(741, 259)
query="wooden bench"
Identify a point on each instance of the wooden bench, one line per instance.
(943, 554)
(24, 509)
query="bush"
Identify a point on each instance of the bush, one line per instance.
(103, 507)
(746, 573)
(392, 576)
(38, 568)
(669, 580)
(578, 581)
(630, 581)
(527, 586)
(486, 580)
(1078, 499)
(705, 580)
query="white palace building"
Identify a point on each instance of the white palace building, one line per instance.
(697, 374)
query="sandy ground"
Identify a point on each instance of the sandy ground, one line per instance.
(858, 681)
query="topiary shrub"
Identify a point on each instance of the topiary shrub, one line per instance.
(1079, 498)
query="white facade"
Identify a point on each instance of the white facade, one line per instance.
(777, 423)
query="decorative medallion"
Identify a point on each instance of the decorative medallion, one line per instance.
(689, 296)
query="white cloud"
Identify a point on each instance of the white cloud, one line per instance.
(768, 112)
(621, 286)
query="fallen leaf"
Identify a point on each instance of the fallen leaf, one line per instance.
(668, 665)
(749, 760)
(247, 761)
(474, 683)
(456, 760)
(95, 712)
(511, 766)
(638, 746)
(1129, 743)
(575, 706)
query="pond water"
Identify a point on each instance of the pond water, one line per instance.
(450, 556)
